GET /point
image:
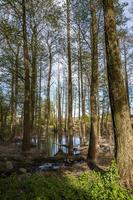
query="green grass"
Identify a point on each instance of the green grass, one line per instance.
(89, 185)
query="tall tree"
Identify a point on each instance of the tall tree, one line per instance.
(59, 110)
(118, 97)
(48, 88)
(70, 101)
(82, 86)
(26, 133)
(33, 74)
(92, 151)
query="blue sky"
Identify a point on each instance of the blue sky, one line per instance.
(127, 12)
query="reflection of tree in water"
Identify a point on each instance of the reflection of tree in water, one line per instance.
(51, 145)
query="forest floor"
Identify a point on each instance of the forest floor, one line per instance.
(13, 160)
(25, 177)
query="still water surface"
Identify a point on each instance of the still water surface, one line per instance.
(51, 145)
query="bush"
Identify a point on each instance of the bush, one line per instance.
(89, 185)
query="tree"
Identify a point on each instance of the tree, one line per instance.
(118, 97)
(26, 133)
(69, 125)
(92, 151)
(33, 85)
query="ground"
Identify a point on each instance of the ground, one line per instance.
(12, 159)
(22, 177)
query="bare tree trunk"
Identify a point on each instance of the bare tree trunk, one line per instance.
(14, 95)
(70, 102)
(83, 126)
(33, 76)
(63, 99)
(92, 151)
(16, 85)
(26, 133)
(39, 112)
(66, 110)
(59, 111)
(75, 104)
(79, 101)
(48, 90)
(79, 113)
(118, 98)
(12, 104)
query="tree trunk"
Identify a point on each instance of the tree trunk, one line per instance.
(79, 114)
(75, 104)
(16, 85)
(12, 105)
(118, 98)
(48, 90)
(69, 123)
(83, 129)
(66, 110)
(92, 151)
(59, 111)
(33, 76)
(14, 95)
(26, 133)
(39, 109)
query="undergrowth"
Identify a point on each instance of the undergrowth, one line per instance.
(89, 185)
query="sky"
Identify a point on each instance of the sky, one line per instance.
(130, 22)
(127, 12)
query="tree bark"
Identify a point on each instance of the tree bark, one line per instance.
(26, 133)
(70, 103)
(33, 76)
(59, 111)
(92, 151)
(118, 98)
(39, 105)
(83, 126)
(48, 89)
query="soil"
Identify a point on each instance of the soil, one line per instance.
(33, 159)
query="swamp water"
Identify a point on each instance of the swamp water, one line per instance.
(51, 145)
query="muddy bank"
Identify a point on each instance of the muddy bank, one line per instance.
(13, 160)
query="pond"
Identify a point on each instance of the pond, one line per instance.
(50, 145)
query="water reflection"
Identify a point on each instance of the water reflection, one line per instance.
(50, 145)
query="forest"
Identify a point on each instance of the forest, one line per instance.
(66, 100)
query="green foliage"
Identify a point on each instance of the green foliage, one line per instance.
(107, 186)
(89, 185)
(86, 118)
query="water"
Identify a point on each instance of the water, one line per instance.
(51, 145)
